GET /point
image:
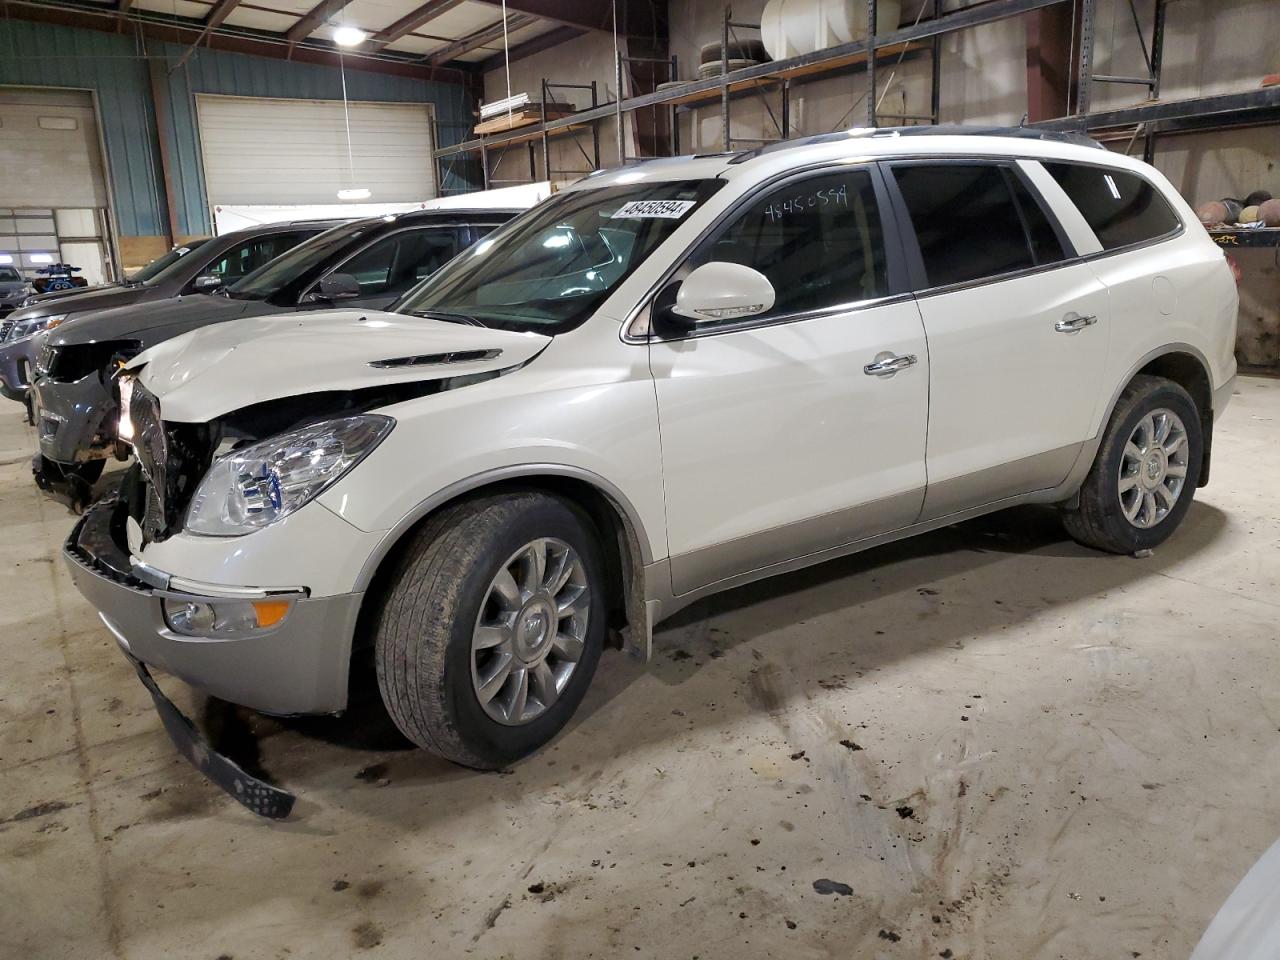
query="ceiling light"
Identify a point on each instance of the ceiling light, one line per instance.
(349, 36)
(355, 193)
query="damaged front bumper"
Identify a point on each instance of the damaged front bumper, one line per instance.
(299, 666)
(16, 364)
(75, 421)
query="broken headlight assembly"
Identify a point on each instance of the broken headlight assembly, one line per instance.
(256, 485)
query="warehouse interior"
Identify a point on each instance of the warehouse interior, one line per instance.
(986, 740)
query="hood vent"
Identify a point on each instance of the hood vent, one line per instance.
(436, 359)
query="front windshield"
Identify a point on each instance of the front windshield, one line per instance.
(152, 271)
(273, 277)
(551, 268)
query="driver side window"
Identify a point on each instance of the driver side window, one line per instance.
(818, 240)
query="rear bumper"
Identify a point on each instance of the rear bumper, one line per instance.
(299, 667)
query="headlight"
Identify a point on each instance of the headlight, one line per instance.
(257, 485)
(25, 328)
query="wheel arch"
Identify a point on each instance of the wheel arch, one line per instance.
(621, 532)
(1186, 366)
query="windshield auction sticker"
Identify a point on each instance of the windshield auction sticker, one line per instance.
(653, 209)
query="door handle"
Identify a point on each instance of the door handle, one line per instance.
(886, 365)
(1073, 323)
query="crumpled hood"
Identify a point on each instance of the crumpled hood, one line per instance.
(149, 322)
(210, 372)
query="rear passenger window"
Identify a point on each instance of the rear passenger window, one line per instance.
(819, 241)
(966, 220)
(1122, 208)
(1045, 244)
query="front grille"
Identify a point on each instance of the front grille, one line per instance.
(75, 361)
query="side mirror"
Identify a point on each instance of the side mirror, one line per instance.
(723, 291)
(338, 286)
(209, 281)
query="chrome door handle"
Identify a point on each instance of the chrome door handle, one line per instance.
(1073, 323)
(886, 365)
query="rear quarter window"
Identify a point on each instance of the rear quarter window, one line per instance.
(1122, 208)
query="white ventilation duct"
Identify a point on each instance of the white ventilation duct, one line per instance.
(790, 28)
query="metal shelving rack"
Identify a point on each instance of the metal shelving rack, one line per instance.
(923, 38)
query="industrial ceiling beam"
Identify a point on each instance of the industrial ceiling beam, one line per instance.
(311, 20)
(255, 43)
(412, 21)
(543, 41)
(457, 48)
(635, 19)
(219, 12)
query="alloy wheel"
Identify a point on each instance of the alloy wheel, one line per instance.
(531, 631)
(1153, 468)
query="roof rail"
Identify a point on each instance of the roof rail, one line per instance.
(924, 130)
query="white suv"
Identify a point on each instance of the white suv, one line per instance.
(668, 380)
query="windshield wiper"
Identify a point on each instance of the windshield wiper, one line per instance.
(446, 317)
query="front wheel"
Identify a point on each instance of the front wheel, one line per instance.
(492, 626)
(1146, 470)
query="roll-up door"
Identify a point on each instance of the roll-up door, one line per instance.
(258, 150)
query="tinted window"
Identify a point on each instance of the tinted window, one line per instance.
(550, 268)
(819, 241)
(156, 267)
(395, 263)
(1122, 208)
(1045, 244)
(243, 259)
(9, 274)
(966, 220)
(275, 279)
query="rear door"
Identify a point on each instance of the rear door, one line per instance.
(1018, 331)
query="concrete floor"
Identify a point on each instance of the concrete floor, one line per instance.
(1004, 745)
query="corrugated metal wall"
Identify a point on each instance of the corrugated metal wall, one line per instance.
(116, 67)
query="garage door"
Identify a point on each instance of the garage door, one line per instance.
(53, 191)
(283, 152)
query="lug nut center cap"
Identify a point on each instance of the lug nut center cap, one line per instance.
(534, 628)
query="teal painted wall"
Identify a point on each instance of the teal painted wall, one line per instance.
(117, 67)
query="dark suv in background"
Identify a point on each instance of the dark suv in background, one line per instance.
(366, 263)
(200, 266)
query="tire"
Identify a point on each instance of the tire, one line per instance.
(442, 592)
(1101, 520)
(738, 50)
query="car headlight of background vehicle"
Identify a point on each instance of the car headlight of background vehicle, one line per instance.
(25, 328)
(259, 484)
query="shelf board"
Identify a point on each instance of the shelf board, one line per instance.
(1230, 238)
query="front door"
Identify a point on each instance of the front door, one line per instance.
(1018, 333)
(802, 429)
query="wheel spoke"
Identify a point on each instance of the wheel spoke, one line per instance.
(558, 572)
(572, 601)
(1176, 470)
(1149, 508)
(497, 678)
(1147, 431)
(1131, 509)
(1167, 495)
(544, 684)
(519, 695)
(533, 567)
(1127, 484)
(505, 591)
(489, 635)
(1175, 444)
(1131, 451)
(1163, 424)
(568, 647)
